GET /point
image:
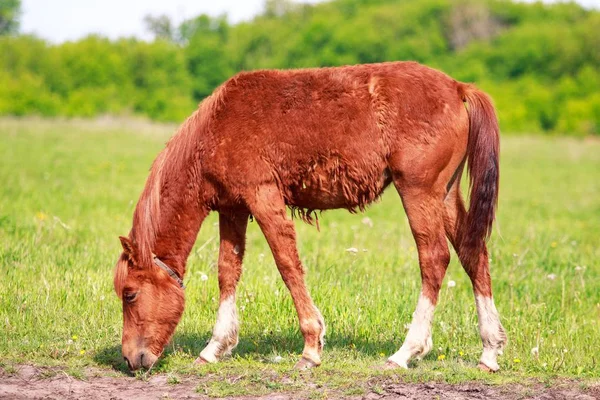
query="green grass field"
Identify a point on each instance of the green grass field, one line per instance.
(68, 189)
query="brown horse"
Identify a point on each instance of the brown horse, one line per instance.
(314, 139)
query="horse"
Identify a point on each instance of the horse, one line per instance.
(314, 139)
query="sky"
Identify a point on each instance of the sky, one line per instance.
(62, 20)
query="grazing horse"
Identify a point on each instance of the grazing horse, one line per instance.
(314, 139)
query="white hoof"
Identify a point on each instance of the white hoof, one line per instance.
(488, 361)
(391, 364)
(395, 364)
(411, 350)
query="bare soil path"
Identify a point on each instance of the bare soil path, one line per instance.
(29, 382)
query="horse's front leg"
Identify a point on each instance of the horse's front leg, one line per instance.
(268, 206)
(232, 229)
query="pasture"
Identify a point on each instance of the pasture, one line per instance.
(68, 189)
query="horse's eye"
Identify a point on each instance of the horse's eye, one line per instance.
(130, 297)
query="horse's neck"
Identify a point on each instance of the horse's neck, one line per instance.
(179, 206)
(179, 226)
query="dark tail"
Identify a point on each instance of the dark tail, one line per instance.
(482, 157)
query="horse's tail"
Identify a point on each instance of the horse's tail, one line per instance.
(482, 157)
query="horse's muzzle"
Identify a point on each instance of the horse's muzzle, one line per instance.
(141, 359)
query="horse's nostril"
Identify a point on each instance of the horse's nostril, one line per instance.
(142, 359)
(128, 363)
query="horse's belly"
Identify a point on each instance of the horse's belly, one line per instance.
(323, 190)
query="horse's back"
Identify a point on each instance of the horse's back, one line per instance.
(324, 135)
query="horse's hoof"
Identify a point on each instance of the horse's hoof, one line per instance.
(305, 364)
(200, 361)
(389, 364)
(486, 368)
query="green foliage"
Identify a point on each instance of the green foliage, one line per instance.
(94, 76)
(540, 62)
(10, 11)
(205, 53)
(161, 27)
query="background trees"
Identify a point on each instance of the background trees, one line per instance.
(540, 62)
(10, 11)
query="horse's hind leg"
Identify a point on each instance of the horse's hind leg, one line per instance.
(268, 207)
(476, 264)
(232, 230)
(424, 208)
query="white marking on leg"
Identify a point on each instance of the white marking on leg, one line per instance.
(418, 340)
(225, 332)
(491, 330)
(314, 354)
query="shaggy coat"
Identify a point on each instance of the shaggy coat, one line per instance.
(313, 139)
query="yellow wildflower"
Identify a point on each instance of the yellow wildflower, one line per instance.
(41, 216)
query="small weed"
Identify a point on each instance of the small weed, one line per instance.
(354, 391)
(76, 373)
(377, 389)
(9, 369)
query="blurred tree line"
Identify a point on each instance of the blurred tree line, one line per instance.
(540, 62)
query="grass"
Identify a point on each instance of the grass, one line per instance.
(68, 190)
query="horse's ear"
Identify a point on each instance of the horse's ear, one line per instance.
(128, 248)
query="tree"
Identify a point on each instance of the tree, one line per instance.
(203, 24)
(470, 21)
(160, 26)
(10, 11)
(278, 8)
(207, 60)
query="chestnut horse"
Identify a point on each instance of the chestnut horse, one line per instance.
(314, 139)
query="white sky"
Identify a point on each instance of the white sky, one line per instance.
(61, 20)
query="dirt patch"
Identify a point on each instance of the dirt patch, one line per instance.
(484, 392)
(29, 382)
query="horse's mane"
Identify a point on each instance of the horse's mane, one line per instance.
(173, 161)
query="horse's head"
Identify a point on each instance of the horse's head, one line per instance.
(152, 306)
